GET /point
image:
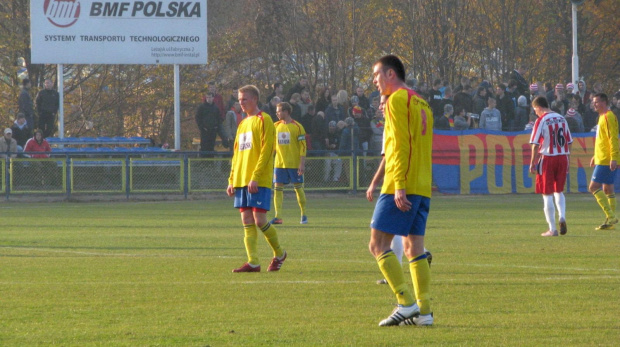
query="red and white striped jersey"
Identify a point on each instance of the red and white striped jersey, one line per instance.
(551, 133)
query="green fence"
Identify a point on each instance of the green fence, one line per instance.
(174, 173)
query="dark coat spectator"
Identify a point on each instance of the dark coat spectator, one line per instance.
(319, 132)
(335, 112)
(209, 123)
(48, 102)
(25, 104)
(435, 99)
(21, 130)
(464, 100)
(517, 75)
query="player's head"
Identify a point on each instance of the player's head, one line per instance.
(248, 99)
(600, 103)
(388, 74)
(540, 105)
(283, 110)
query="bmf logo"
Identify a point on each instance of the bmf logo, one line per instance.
(62, 13)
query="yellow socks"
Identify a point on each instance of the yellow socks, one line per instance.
(301, 197)
(393, 273)
(272, 238)
(604, 202)
(251, 243)
(421, 276)
(612, 203)
(278, 196)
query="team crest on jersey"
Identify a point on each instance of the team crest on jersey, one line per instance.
(284, 138)
(245, 141)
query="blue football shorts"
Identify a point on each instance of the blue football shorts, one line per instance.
(261, 200)
(286, 176)
(603, 174)
(389, 219)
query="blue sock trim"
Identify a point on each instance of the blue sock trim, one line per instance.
(419, 257)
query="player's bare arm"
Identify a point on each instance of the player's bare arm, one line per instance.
(375, 180)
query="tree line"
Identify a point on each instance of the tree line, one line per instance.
(332, 43)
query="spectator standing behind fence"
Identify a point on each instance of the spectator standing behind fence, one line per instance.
(447, 100)
(218, 100)
(296, 110)
(446, 122)
(277, 91)
(319, 132)
(463, 99)
(462, 120)
(559, 104)
(333, 143)
(349, 137)
(290, 161)
(517, 75)
(573, 112)
(250, 180)
(324, 98)
(377, 125)
(363, 100)
(335, 112)
(521, 113)
(363, 122)
(22, 131)
(25, 104)
(233, 117)
(435, 98)
(209, 123)
(297, 88)
(8, 145)
(37, 144)
(583, 92)
(491, 118)
(270, 108)
(304, 102)
(47, 102)
(480, 100)
(506, 107)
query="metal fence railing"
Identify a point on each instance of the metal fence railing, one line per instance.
(182, 173)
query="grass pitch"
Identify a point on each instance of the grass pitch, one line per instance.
(159, 274)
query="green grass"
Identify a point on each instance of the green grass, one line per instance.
(158, 274)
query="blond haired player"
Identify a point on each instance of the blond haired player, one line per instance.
(250, 180)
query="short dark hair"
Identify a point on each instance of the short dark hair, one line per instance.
(276, 85)
(285, 106)
(512, 83)
(501, 86)
(210, 94)
(540, 101)
(25, 81)
(602, 97)
(391, 61)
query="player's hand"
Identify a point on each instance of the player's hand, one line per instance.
(592, 162)
(301, 169)
(400, 197)
(613, 165)
(253, 187)
(230, 190)
(532, 168)
(369, 191)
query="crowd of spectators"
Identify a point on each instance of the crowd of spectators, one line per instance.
(338, 121)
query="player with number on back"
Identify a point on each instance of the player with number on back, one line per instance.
(551, 141)
(404, 203)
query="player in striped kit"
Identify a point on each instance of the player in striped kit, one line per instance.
(551, 141)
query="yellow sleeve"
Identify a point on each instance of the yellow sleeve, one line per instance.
(302, 141)
(267, 135)
(612, 123)
(402, 139)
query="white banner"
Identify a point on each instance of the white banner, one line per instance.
(118, 32)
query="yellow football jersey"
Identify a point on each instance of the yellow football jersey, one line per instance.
(253, 152)
(290, 144)
(408, 144)
(606, 144)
